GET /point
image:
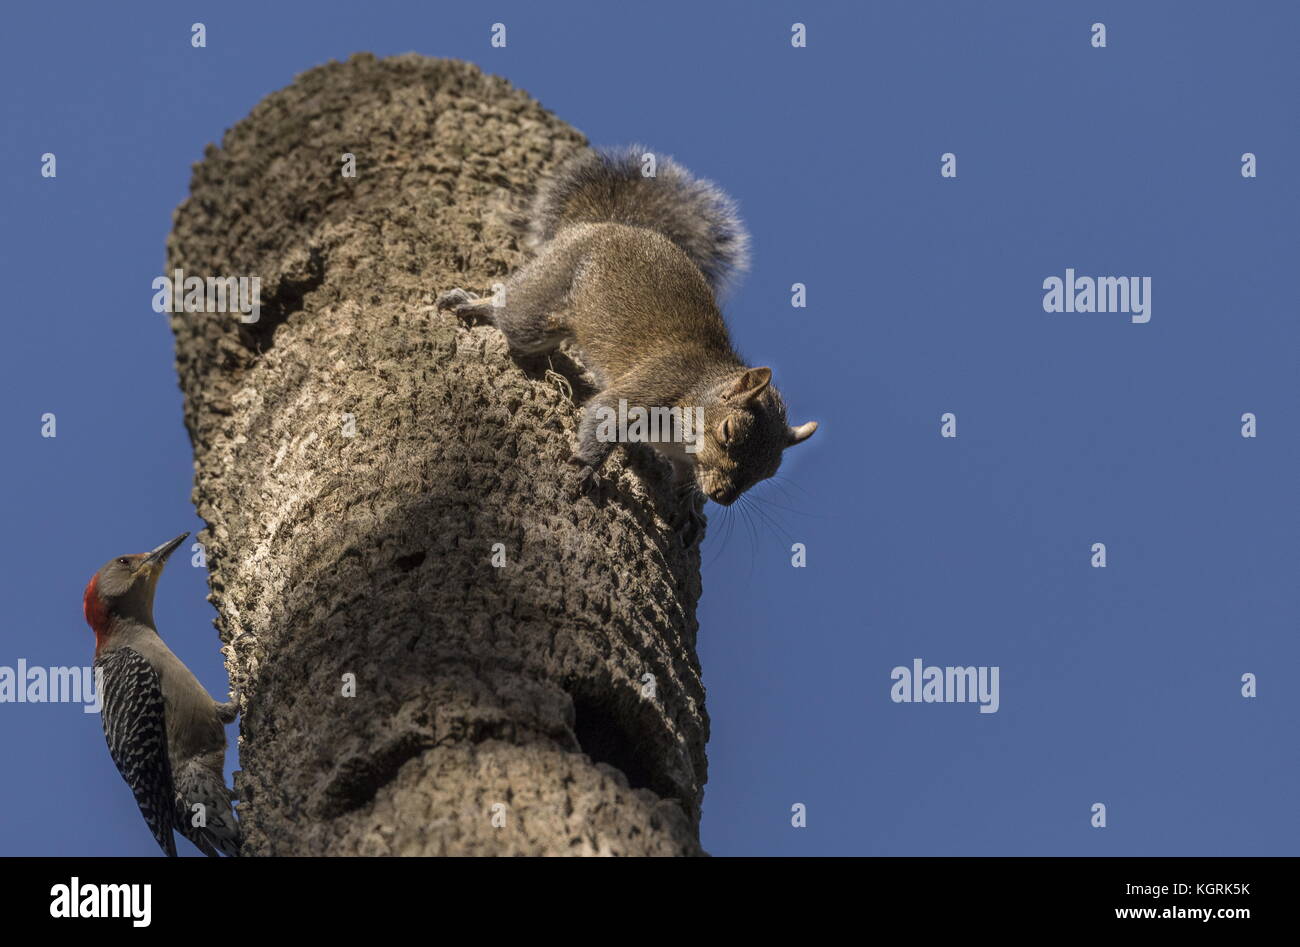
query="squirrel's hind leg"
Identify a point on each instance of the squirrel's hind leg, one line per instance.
(534, 305)
(528, 331)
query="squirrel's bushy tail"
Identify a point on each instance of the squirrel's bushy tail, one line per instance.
(608, 186)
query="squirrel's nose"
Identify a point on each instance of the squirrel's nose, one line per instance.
(725, 497)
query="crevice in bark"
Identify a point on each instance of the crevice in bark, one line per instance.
(413, 561)
(356, 780)
(286, 298)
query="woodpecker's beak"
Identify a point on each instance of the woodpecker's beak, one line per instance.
(153, 562)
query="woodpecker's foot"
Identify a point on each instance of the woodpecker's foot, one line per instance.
(462, 304)
(228, 711)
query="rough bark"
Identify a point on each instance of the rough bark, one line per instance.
(371, 554)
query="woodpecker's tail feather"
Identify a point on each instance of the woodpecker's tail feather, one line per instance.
(613, 187)
(213, 826)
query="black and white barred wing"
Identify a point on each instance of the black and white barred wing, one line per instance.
(135, 725)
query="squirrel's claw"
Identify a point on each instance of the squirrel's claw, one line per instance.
(586, 481)
(690, 524)
(460, 302)
(454, 298)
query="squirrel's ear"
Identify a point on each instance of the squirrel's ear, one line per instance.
(750, 384)
(801, 433)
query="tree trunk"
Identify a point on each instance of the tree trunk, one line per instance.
(358, 456)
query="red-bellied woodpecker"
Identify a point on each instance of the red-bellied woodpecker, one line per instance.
(164, 731)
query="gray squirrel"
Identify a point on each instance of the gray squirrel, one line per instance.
(629, 267)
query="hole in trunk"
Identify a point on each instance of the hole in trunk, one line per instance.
(606, 737)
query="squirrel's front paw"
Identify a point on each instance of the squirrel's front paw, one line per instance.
(585, 479)
(459, 302)
(691, 522)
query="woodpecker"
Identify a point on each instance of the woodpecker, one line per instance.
(165, 732)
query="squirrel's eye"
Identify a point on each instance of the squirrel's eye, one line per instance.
(124, 561)
(727, 430)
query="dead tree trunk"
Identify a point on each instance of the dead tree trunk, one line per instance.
(358, 459)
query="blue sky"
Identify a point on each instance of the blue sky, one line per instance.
(1118, 685)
